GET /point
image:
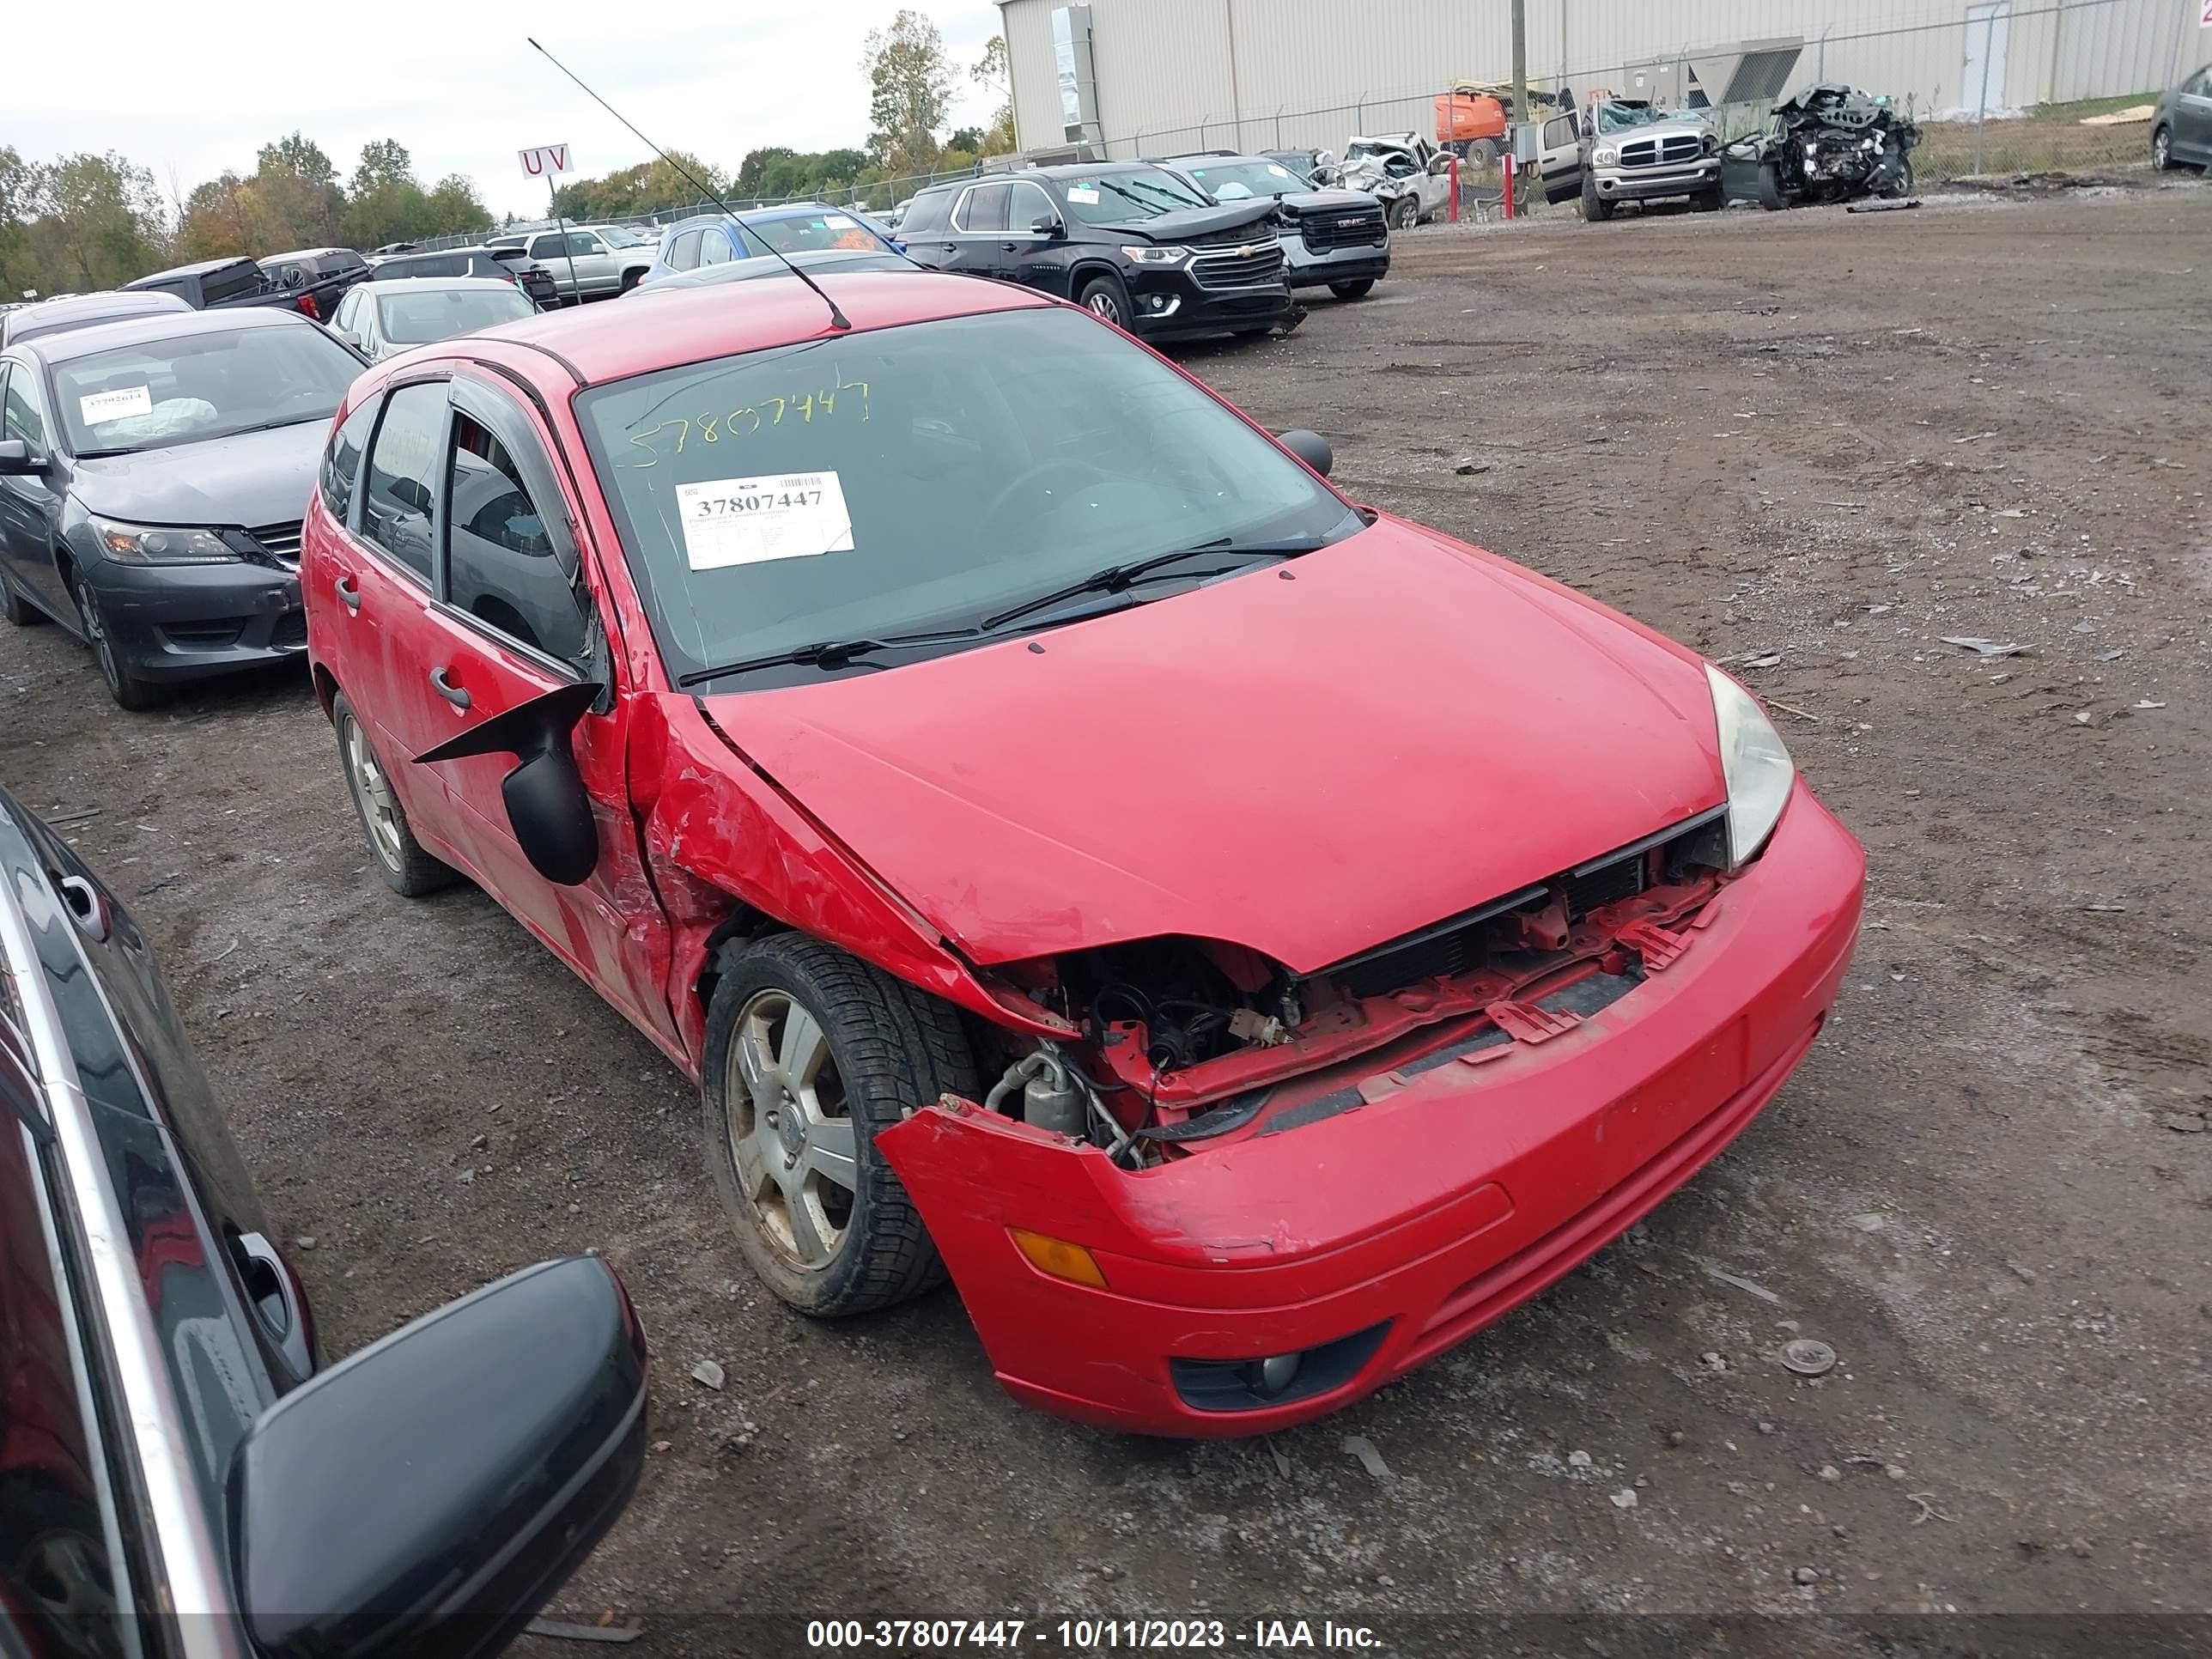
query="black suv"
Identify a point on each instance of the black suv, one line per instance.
(1140, 246)
(319, 276)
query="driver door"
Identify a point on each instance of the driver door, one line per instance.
(1559, 161)
(514, 616)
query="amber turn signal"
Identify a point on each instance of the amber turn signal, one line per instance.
(1059, 1258)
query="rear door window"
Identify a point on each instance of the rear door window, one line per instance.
(683, 253)
(714, 248)
(399, 502)
(984, 208)
(548, 246)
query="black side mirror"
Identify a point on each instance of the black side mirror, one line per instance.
(1047, 225)
(428, 1495)
(547, 806)
(1310, 447)
(16, 459)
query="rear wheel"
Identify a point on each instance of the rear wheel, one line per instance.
(810, 1053)
(407, 869)
(1104, 296)
(1595, 209)
(19, 612)
(1358, 291)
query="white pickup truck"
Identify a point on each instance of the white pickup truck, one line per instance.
(1621, 150)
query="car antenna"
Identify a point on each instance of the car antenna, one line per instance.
(837, 319)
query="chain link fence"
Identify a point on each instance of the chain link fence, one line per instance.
(2015, 87)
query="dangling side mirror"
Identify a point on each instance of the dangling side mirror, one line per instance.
(547, 806)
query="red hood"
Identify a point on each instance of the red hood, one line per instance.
(1404, 730)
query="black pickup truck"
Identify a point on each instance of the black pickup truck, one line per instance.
(220, 284)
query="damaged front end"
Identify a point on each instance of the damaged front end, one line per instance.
(1833, 144)
(1188, 1045)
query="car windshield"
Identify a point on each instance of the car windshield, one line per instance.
(201, 385)
(621, 236)
(1623, 117)
(1118, 198)
(439, 314)
(1240, 181)
(921, 478)
(795, 233)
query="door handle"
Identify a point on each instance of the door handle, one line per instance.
(277, 1298)
(456, 695)
(348, 595)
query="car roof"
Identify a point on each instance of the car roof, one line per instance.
(760, 267)
(1077, 170)
(306, 254)
(161, 325)
(201, 269)
(45, 314)
(612, 342)
(425, 284)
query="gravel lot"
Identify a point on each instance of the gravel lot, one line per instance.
(1813, 444)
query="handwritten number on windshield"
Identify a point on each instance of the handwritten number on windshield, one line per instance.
(672, 436)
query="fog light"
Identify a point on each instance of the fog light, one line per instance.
(1273, 1375)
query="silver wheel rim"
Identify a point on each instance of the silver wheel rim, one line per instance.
(102, 651)
(2160, 149)
(372, 791)
(790, 1129)
(1102, 304)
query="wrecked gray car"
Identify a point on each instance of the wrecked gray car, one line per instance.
(1830, 143)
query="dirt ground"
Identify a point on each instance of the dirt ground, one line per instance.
(1810, 445)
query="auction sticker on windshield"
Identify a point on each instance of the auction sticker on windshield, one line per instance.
(116, 405)
(1086, 194)
(732, 521)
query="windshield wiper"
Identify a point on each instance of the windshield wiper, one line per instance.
(1116, 577)
(828, 655)
(270, 426)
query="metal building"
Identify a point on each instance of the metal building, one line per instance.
(1148, 76)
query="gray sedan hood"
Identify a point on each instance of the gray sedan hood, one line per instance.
(252, 480)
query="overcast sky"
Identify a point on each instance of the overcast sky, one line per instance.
(178, 89)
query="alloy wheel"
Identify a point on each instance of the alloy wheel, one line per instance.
(1102, 303)
(103, 649)
(790, 1129)
(372, 791)
(2162, 150)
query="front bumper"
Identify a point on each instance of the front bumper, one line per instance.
(1345, 264)
(1624, 185)
(185, 622)
(1429, 1212)
(1169, 305)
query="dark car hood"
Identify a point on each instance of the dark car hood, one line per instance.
(1406, 730)
(254, 479)
(1197, 222)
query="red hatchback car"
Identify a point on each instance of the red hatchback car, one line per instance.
(1249, 941)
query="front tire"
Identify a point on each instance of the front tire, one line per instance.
(1710, 201)
(1770, 188)
(1405, 213)
(407, 869)
(2162, 150)
(1901, 186)
(1595, 209)
(630, 280)
(1358, 291)
(810, 1053)
(126, 688)
(1105, 297)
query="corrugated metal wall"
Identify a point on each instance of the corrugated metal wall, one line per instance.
(1177, 74)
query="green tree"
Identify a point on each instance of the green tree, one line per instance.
(22, 201)
(214, 225)
(910, 92)
(994, 71)
(383, 161)
(299, 156)
(454, 206)
(105, 223)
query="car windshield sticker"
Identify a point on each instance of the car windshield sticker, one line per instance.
(731, 521)
(1087, 195)
(113, 405)
(840, 222)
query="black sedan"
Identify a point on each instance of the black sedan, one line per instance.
(177, 1476)
(152, 477)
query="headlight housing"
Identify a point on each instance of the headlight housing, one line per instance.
(1759, 772)
(140, 543)
(1712, 143)
(1605, 156)
(1149, 255)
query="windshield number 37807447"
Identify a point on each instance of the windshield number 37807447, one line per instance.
(713, 507)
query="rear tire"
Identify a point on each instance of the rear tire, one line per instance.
(1595, 209)
(1358, 291)
(19, 612)
(407, 869)
(810, 1053)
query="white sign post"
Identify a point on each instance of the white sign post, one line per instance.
(548, 162)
